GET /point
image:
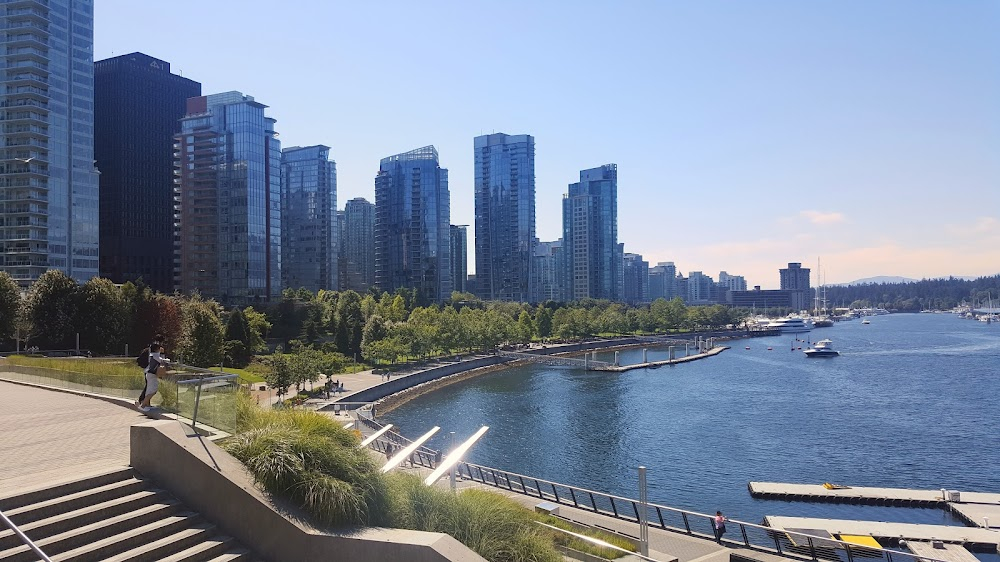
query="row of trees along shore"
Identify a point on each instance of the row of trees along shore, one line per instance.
(328, 330)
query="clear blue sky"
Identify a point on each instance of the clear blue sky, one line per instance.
(747, 134)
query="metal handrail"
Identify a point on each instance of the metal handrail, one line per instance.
(24, 538)
(514, 482)
(598, 542)
(549, 491)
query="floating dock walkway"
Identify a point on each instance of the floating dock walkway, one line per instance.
(968, 536)
(867, 495)
(948, 552)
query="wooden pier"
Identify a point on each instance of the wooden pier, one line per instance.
(865, 495)
(969, 536)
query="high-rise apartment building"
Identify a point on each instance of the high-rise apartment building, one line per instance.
(358, 245)
(794, 277)
(413, 225)
(547, 272)
(309, 232)
(590, 236)
(49, 192)
(138, 104)
(228, 195)
(699, 288)
(732, 282)
(635, 272)
(505, 215)
(459, 256)
(663, 281)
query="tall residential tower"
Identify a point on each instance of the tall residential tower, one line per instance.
(228, 194)
(590, 236)
(505, 216)
(138, 104)
(48, 183)
(412, 225)
(358, 245)
(309, 231)
(459, 257)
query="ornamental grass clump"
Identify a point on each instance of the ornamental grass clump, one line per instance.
(496, 527)
(309, 459)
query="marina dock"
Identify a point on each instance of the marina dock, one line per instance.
(968, 536)
(866, 495)
(948, 552)
(978, 514)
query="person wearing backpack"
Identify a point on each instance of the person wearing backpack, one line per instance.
(143, 361)
(157, 368)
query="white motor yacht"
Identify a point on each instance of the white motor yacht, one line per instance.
(822, 348)
(790, 325)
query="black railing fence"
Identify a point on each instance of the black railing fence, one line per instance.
(790, 544)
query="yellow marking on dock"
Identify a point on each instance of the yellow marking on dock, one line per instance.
(862, 540)
(888, 530)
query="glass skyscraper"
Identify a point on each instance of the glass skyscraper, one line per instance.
(228, 195)
(593, 257)
(459, 256)
(636, 279)
(505, 216)
(48, 184)
(138, 104)
(358, 245)
(309, 233)
(412, 225)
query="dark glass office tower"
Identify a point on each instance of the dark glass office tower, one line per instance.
(412, 225)
(309, 234)
(459, 257)
(138, 104)
(505, 216)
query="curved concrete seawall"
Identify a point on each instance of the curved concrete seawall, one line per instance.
(403, 383)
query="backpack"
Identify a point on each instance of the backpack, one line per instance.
(143, 359)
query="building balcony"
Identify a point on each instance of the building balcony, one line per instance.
(27, 79)
(28, 38)
(28, 13)
(24, 118)
(31, 53)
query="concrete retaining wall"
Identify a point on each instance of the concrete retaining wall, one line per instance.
(210, 481)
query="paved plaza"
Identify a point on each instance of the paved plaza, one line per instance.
(48, 436)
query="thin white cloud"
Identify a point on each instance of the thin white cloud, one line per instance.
(819, 218)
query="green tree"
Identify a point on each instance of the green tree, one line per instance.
(350, 323)
(543, 322)
(10, 306)
(202, 341)
(259, 328)
(525, 327)
(237, 328)
(51, 309)
(102, 317)
(375, 330)
(278, 373)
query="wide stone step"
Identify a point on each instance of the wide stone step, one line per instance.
(63, 489)
(183, 540)
(73, 501)
(240, 554)
(64, 522)
(101, 530)
(123, 541)
(205, 550)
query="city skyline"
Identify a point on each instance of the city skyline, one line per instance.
(745, 138)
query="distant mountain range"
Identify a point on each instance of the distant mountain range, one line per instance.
(895, 279)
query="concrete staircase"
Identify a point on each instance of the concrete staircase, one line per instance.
(114, 516)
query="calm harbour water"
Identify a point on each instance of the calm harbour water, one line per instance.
(911, 402)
